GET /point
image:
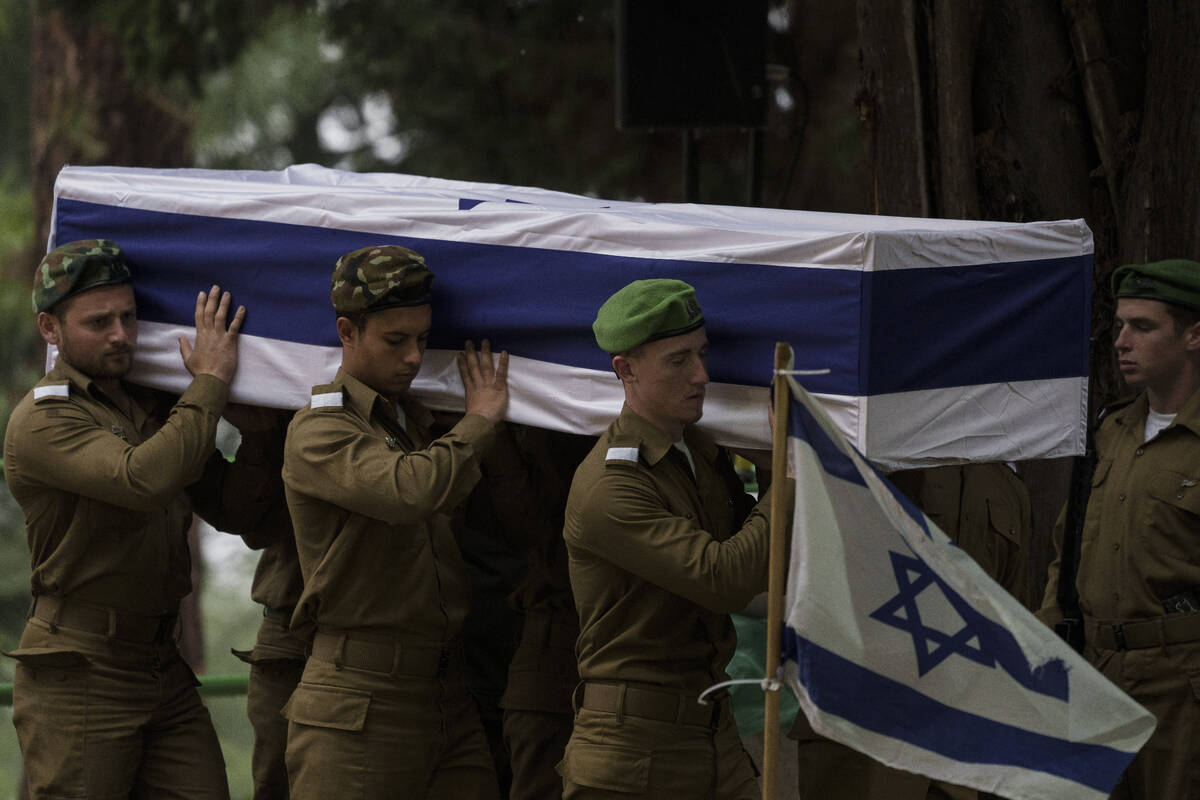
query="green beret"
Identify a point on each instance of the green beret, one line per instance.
(644, 311)
(374, 278)
(77, 267)
(1175, 281)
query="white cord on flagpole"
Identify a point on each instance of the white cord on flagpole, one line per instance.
(802, 371)
(766, 684)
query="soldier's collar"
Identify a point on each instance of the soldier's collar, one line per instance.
(363, 398)
(1189, 415)
(1135, 411)
(635, 430)
(63, 371)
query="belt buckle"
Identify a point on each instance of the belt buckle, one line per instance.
(1119, 636)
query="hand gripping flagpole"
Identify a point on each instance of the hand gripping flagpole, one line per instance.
(779, 504)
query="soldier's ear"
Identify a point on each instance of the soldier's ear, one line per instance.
(623, 367)
(347, 331)
(48, 327)
(1192, 337)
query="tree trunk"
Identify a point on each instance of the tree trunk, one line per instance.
(85, 110)
(891, 107)
(1160, 213)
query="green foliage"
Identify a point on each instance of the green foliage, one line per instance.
(260, 112)
(165, 41)
(19, 370)
(14, 98)
(512, 92)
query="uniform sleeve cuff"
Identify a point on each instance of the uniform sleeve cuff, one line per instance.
(476, 429)
(208, 392)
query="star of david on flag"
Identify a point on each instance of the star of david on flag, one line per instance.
(898, 644)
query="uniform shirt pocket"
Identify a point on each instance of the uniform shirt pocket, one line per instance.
(1004, 518)
(1167, 533)
(1176, 489)
(606, 766)
(333, 707)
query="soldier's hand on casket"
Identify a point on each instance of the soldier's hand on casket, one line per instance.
(485, 383)
(215, 351)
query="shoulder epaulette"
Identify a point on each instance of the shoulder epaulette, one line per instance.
(622, 455)
(52, 391)
(326, 399)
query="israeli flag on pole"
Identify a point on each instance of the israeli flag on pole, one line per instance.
(899, 645)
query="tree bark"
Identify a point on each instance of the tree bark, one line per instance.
(1161, 205)
(892, 108)
(85, 110)
(955, 29)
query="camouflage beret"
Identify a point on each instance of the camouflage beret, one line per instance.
(384, 276)
(644, 311)
(1175, 281)
(77, 267)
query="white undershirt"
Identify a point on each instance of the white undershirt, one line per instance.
(1155, 422)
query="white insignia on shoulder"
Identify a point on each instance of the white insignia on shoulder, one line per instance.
(59, 390)
(622, 454)
(327, 400)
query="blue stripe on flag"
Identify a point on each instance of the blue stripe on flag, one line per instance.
(804, 426)
(845, 689)
(540, 303)
(534, 302)
(930, 328)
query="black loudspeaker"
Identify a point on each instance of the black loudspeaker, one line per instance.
(691, 63)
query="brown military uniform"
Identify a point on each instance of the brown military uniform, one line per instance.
(1140, 549)
(106, 516)
(382, 709)
(527, 475)
(277, 659)
(985, 509)
(657, 564)
(492, 626)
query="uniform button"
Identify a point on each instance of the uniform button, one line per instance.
(1121, 497)
(1116, 545)
(1139, 451)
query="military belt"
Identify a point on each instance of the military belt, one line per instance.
(128, 626)
(654, 704)
(389, 656)
(1154, 632)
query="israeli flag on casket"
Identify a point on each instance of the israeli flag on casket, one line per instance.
(898, 644)
(946, 340)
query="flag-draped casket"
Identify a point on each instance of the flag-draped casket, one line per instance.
(944, 340)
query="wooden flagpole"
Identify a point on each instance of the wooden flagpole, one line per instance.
(776, 570)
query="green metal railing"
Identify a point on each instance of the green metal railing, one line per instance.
(210, 686)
